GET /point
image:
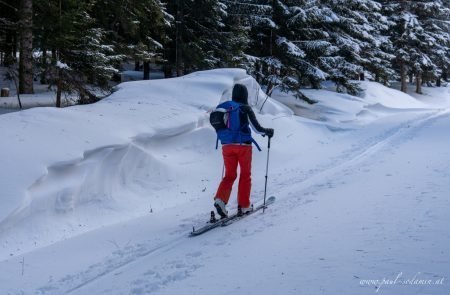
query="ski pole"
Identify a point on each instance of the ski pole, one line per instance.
(267, 172)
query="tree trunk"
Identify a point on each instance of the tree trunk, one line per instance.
(411, 78)
(178, 38)
(418, 84)
(438, 82)
(9, 49)
(16, 84)
(137, 65)
(270, 88)
(58, 89)
(404, 86)
(146, 70)
(44, 66)
(14, 46)
(167, 71)
(26, 47)
(377, 78)
(361, 77)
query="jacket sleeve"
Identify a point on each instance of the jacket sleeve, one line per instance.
(253, 121)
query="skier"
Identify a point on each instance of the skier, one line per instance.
(238, 150)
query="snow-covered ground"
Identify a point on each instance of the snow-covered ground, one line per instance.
(99, 199)
(43, 96)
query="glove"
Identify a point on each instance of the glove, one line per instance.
(269, 132)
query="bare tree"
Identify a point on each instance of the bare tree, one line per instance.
(12, 75)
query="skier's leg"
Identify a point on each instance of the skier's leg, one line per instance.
(245, 178)
(230, 159)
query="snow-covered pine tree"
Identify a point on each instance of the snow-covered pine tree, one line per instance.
(296, 43)
(203, 34)
(420, 36)
(377, 57)
(445, 24)
(136, 28)
(303, 42)
(236, 41)
(81, 61)
(435, 17)
(16, 29)
(272, 58)
(355, 28)
(286, 66)
(9, 28)
(200, 39)
(255, 18)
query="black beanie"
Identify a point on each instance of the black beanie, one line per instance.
(240, 94)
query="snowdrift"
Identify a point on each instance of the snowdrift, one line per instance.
(67, 171)
(375, 101)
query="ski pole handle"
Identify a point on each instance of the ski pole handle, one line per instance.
(268, 143)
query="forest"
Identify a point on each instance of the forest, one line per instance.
(80, 46)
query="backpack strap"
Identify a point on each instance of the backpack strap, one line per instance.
(256, 144)
(251, 137)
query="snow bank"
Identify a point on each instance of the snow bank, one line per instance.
(139, 150)
(375, 93)
(375, 101)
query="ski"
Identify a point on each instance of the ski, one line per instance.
(228, 220)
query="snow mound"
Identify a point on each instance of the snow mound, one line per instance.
(376, 93)
(374, 101)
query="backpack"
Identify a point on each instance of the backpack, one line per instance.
(226, 121)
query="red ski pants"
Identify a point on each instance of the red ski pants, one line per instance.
(233, 155)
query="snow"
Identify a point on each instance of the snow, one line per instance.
(100, 199)
(62, 65)
(291, 48)
(105, 169)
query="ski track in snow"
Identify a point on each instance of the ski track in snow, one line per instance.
(359, 153)
(123, 258)
(298, 190)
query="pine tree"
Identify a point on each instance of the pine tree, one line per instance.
(303, 43)
(435, 16)
(136, 28)
(200, 37)
(235, 39)
(420, 36)
(80, 58)
(355, 29)
(297, 43)
(256, 18)
(9, 17)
